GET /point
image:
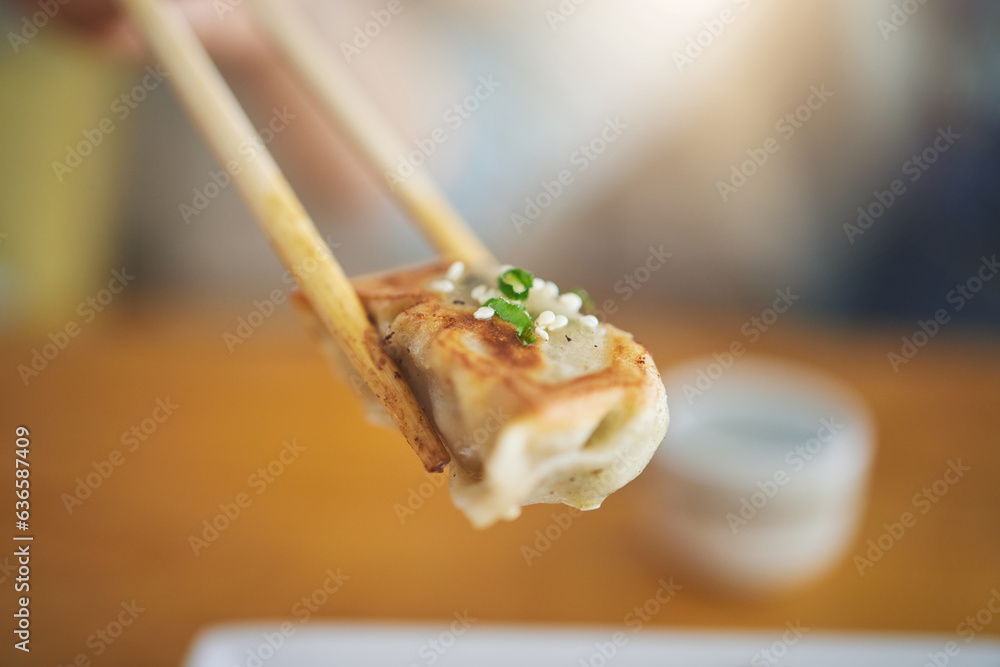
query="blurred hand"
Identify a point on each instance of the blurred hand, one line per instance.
(228, 33)
(311, 152)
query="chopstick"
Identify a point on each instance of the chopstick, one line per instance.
(372, 137)
(226, 128)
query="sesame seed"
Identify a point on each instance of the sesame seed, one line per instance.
(589, 321)
(455, 271)
(442, 286)
(484, 313)
(542, 333)
(560, 322)
(571, 301)
(546, 318)
(479, 293)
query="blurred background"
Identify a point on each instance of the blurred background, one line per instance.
(690, 121)
(845, 152)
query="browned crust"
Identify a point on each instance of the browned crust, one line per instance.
(506, 360)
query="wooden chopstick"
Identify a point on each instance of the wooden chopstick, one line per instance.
(226, 128)
(373, 138)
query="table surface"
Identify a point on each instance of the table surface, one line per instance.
(333, 505)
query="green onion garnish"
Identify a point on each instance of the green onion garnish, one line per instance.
(516, 315)
(515, 283)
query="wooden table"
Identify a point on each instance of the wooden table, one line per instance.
(333, 506)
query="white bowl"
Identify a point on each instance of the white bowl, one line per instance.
(761, 481)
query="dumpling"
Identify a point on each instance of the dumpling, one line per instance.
(571, 417)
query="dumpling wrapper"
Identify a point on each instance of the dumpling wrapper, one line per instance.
(569, 420)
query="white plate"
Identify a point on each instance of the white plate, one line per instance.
(396, 645)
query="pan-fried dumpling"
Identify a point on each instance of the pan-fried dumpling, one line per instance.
(571, 417)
